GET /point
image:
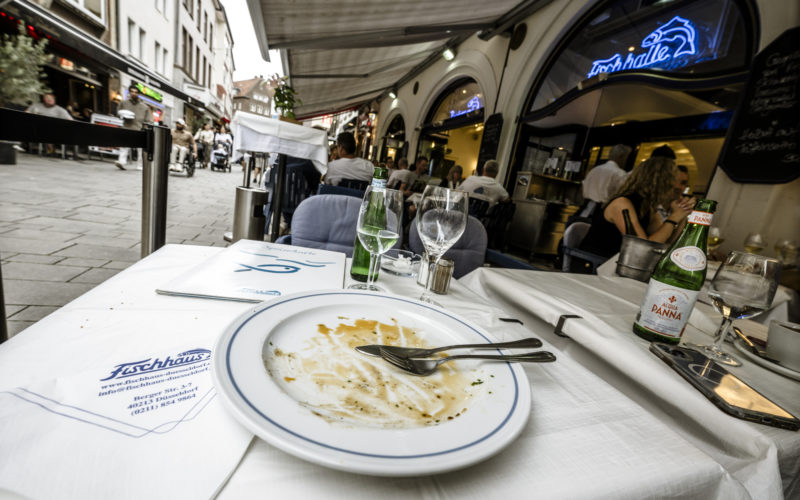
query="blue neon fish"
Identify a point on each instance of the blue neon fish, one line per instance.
(677, 29)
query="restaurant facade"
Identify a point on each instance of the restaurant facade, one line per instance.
(576, 77)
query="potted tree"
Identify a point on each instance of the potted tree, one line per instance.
(21, 77)
(284, 97)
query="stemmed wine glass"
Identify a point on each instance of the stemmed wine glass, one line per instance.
(441, 220)
(743, 287)
(754, 243)
(379, 226)
(715, 238)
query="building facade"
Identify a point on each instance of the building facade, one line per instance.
(148, 37)
(98, 48)
(525, 83)
(252, 96)
(195, 23)
(222, 66)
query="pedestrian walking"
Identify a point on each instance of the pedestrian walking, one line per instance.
(135, 113)
(205, 139)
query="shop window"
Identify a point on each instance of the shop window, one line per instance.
(132, 38)
(653, 39)
(142, 44)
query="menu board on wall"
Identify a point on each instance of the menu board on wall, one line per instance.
(490, 140)
(763, 143)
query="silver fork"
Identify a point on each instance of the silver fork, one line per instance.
(427, 366)
(414, 352)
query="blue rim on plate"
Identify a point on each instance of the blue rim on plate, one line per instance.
(471, 451)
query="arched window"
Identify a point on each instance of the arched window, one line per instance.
(668, 43)
(453, 129)
(463, 99)
(395, 145)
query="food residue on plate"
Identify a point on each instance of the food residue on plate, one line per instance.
(340, 384)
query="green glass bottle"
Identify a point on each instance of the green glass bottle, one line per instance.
(360, 267)
(676, 281)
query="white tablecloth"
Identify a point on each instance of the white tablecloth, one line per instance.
(584, 439)
(255, 133)
(765, 459)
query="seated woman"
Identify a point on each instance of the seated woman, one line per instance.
(454, 177)
(650, 184)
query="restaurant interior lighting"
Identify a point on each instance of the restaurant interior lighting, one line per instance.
(449, 54)
(393, 93)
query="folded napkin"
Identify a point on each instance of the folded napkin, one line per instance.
(97, 434)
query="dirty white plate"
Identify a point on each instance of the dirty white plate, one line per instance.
(288, 372)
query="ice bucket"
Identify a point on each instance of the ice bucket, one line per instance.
(638, 257)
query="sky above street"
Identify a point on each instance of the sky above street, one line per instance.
(246, 54)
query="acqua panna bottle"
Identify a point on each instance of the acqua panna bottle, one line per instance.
(676, 281)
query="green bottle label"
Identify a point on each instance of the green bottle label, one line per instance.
(689, 258)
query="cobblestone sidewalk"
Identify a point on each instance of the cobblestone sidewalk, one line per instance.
(66, 226)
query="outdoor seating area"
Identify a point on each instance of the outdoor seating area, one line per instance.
(363, 250)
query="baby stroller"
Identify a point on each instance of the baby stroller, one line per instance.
(220, 156)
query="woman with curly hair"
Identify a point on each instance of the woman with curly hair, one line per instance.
(650, 184)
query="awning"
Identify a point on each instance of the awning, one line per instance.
(80, 41)
(341, 53)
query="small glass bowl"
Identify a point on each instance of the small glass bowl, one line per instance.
(400, 262)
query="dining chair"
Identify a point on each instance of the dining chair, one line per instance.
(468, 253)
(478, 207)
(354, 184)
(325, 221)
(295, 190)
(573, 236)
(339, 190)
(496, 221)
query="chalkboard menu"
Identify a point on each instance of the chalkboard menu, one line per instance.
(490, 140)
(763, 143)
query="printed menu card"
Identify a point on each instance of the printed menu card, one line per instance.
(255, 271)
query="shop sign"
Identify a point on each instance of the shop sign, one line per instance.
(473, 104)
(665, 47)
(144, 90)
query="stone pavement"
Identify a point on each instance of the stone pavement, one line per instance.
(66, 226)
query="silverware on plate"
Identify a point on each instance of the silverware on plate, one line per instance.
(413, 352)
(427, 366)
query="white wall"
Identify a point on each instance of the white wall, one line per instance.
(773, 210)
(158, 27)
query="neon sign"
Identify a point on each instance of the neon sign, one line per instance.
(667, 42)
(149, 92)
(473, 104)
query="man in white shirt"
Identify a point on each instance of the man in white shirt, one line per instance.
(401, 175)
(603, 180)
(347, 166)
(485, 186)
